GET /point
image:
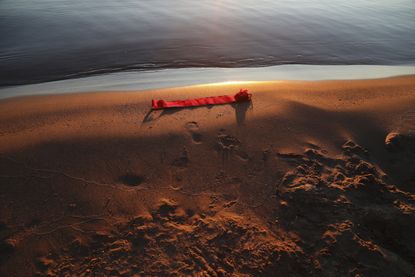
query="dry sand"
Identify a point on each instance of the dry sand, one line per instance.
(311, 179)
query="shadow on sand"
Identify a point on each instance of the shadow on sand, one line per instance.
(240, 112)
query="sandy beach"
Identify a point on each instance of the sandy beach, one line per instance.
(308, 179)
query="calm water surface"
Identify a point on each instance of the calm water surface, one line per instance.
(43, 40)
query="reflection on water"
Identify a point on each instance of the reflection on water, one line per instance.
(54, 39)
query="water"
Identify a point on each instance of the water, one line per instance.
(44, 40)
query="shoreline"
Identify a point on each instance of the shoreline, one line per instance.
(169, 78)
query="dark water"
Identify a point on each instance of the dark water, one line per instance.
(43, 40)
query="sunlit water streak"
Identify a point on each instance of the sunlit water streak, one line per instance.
(44, 40)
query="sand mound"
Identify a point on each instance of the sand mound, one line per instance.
(173, 241)
(350, 218)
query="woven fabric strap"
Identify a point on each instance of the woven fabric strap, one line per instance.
(241, 96)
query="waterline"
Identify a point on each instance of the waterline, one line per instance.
(144, 80)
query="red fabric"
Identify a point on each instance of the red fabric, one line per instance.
(241, 96)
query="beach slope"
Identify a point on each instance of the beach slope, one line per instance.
(310, 179)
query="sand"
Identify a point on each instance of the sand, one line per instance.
(310, 179)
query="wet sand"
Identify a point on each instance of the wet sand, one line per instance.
(310, 179)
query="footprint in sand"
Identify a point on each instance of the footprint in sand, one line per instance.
(183, 160)
(193, 127)
(227, 142)
(131, 180)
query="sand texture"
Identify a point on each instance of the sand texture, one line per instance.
(310, 179)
